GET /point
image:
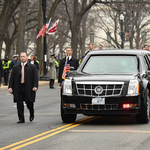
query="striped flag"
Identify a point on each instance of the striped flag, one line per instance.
(53, 28)
(66, 68)
(43, 30)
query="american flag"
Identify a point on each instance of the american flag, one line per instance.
(66, 68)
(53, 28)
(43, 30)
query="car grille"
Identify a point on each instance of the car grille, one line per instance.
(99, 107)
(108, 88)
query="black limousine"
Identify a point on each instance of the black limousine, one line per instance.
(108, 82)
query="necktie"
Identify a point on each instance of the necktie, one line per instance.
(22, 73)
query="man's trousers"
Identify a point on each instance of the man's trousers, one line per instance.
(20, 104)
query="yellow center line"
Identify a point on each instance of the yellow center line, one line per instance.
(52, 134)
(42, 134)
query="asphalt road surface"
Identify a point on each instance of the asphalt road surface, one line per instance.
(47, 132)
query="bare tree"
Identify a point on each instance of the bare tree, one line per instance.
(135, 23)
(20, 45)
(79, 9)
(8, 9)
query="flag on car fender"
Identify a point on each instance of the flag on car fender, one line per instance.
(66, 68)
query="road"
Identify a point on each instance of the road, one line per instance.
(47, 132)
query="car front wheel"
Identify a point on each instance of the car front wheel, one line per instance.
(143, 116)
(67, 118)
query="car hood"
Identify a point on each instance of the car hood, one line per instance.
(104, 77)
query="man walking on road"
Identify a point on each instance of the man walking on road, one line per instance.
(74, 63)
(23, 85)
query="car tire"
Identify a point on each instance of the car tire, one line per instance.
(143, 116)
(67, 118)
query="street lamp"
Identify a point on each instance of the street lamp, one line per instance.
(122, 33)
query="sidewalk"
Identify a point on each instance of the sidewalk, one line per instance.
(41, 83)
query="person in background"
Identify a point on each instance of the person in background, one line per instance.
(100, 47)
(14, 61)
(80, 61)
(6, 62)
(91, 48)
(57, 66)
(37, 60)
(74, 63)
(146, 47)
(52, 71)
(1, 72)
(34, 62)
(23, 85)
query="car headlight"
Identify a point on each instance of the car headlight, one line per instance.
(133, 88)
(67, 86)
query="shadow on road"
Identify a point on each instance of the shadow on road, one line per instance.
(113, 120)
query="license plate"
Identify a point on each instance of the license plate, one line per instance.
(100, 101)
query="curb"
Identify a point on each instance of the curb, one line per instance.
(5, 88)
(41, 83)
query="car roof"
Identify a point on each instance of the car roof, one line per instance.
(120, 51)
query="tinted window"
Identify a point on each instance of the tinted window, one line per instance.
(111, 65)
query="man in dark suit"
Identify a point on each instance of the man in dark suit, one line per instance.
(73, 63)
(23, 85)
(1, 72)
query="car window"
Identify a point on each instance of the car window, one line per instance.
(111, 65)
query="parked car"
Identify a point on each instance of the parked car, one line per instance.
(108, 82)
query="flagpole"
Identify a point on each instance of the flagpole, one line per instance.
(44, 46)
(44, 77)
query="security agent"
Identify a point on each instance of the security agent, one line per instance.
(14, 61)
(6, 62)
(23, 85)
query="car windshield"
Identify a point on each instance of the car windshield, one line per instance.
(111, 65)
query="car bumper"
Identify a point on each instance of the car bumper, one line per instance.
(112, 106)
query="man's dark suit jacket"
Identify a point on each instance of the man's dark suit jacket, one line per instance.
(73, 63)
(31, 80)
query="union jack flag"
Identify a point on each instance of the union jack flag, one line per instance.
(66, 68)
(53, 28)
(43, 30)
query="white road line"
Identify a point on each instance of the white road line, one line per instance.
(109, 131)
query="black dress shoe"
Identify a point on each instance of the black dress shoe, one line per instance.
(52, 88)
(31, 117)
(21, 121)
